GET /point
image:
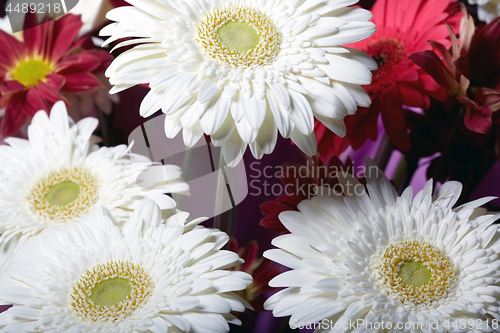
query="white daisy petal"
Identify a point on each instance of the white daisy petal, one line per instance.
(215, 114)
(59, 176)
(306, 143)
(487, 10)
(208, 89)
(94, 278)
(377, 257)
(233, 149)
(282, 48)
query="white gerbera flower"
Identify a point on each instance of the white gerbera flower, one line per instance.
(487, 10)
(240, 70)
(59, 176)
(414, 264)
(149, 277)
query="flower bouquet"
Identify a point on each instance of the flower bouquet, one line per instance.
(366, 202)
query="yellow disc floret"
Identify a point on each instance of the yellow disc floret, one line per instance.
(30, 72)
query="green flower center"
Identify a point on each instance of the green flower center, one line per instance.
(239, 36)
(111, 291)
(63, 196)
(415, 273)
(30, 72)
(63, 193)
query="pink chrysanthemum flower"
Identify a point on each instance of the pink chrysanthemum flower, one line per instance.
(47, 65)
(467, 73)
(403, 28)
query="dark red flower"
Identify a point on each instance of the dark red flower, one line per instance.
(467, 72)
(302, 186)
(403, 28)
(329, 144)
(50, 62)
(261, 269)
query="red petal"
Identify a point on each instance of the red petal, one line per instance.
(393, 114)
(55, 81)
(33, 34)
(64, 31)
(104, 57)
(462, 65)
(14, 117)
(251, 251)
(34, 103)
(83, 62)
(80, 82)
(469, 103)
(432, 87)
(10, 87)
(478, 121)
(410, 75)
(329, 144)
(363, 125)
(272, 207)
(233, 245)
(49, 95)
(489, 98)
(411, 96)
(431, 63)
(118, 3)
(272, 223)
(20, 107)
(11, 54)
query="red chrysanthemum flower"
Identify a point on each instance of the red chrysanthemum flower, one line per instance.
(403, 28)
(467, 72)
(261, 269)
(302, 186)
(49, 63)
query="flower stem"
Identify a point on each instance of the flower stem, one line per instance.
(384, 152)
(410, 167)
(103, 122)
(449, 145)
(285, 327)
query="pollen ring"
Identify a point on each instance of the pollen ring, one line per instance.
(63, 196)
(128, 286)
(239, 37)
(415, 273)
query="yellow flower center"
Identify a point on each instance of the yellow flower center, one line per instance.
(63, 196)
(111, 292)
(32, 71)
(239, 37)
(415, 273)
